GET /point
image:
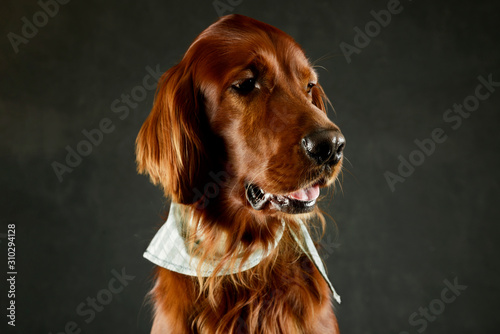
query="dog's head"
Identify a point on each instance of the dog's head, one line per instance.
(243, 107)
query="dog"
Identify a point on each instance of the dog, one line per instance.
(239, 140)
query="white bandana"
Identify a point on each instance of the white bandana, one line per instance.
(168, 250)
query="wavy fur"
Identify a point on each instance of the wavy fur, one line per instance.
(202, 142)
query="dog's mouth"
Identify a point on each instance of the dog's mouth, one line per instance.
(300, 201)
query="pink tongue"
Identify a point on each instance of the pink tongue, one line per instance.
(307, 194)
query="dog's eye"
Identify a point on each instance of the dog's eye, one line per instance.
(310, 87)
(246, 86)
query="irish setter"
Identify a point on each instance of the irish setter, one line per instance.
(239, 140)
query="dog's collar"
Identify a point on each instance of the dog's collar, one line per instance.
(168, 250)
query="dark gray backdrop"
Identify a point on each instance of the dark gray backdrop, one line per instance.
(397, 251)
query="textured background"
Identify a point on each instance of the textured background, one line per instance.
(394, 249)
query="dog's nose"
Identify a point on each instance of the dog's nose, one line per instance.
(324, 146)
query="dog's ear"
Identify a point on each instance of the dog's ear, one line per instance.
(169, 146)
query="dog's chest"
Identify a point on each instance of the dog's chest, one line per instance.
(294, 299)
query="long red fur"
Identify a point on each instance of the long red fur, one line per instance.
(197, 129)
